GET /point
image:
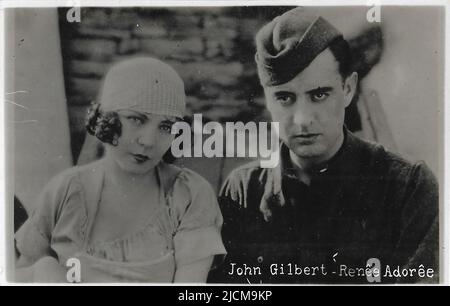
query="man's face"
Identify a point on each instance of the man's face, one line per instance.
(311, 107)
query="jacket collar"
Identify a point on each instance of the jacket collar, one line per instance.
(326, 176)
(343, 162)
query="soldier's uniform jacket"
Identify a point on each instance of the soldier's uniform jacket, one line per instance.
(363, 203)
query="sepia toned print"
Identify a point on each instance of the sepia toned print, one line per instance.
(241, 144)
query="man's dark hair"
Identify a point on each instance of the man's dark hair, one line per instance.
(340, 48)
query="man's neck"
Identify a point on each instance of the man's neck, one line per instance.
(304, 166)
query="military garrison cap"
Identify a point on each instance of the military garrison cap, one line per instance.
(289, 43)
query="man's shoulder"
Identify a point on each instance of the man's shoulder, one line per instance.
(373, 163)
(374, 156)
(377, 159)
(248, 175)
(253, 167)
(246, 182)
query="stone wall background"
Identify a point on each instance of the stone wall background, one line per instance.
(211, 48)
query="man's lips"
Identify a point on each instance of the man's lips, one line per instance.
(307, 138)
(306, 135)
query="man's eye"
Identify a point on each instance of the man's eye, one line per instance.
(320, 96)
(284, 100)
(136, 120)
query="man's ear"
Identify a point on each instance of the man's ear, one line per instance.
(350, 87)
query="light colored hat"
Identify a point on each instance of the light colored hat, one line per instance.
(144, 84)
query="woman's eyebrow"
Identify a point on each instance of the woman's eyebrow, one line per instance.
(134, 113)
(130, 112)
(168, 121)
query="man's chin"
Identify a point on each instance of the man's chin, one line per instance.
(307, 151)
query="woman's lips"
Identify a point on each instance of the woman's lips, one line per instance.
(139, 158)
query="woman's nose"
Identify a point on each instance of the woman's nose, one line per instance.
(147, 136)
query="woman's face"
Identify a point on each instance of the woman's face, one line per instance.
(144, 140)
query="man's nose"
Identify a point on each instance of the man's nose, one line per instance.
(303, 114)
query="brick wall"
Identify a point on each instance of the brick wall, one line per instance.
(211, 48)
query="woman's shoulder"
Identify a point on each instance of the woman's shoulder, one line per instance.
(187, 190)
(180, 177)
(192, 200)
(74, 178)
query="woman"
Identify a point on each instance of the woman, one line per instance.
(129, 216)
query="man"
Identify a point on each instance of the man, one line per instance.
(335, 204)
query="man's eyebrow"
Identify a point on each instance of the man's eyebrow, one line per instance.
(282, 93)
(320, 90)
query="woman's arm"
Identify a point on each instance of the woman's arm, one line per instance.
(33, 238)
(45, 270)
(24, 270)
(196, 272)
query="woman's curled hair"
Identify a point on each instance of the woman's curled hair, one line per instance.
(105, 126)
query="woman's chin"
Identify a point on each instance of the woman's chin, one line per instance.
(138, 168)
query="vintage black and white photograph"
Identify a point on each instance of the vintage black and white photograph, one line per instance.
(243, 144)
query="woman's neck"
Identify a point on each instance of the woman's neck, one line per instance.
(125, 180)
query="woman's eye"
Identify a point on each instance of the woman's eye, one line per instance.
(319, 96)
(166, 128)
(136, 120)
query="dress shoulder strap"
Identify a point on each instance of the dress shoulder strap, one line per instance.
(167, 175)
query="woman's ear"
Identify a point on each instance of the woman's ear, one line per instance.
(350, 87)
